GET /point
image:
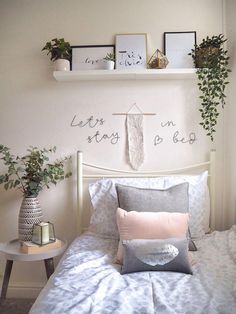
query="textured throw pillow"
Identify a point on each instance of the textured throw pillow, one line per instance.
(104, 201)
(156, 255)
(174, 199)
(149, 225)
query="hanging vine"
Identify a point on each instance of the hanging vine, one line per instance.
(211, 60)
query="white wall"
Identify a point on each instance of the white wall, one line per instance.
(230, 110)
(37, 110)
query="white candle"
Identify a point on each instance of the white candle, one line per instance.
(45, 232)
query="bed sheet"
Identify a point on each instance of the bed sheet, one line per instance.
(86, 281)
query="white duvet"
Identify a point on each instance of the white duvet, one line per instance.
(86, 281)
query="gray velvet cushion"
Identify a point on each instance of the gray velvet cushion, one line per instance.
(174, 199)
(156, 255)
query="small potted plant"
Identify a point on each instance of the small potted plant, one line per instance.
(60, 51)
(211, 61)
(109, 61)
(30, 174)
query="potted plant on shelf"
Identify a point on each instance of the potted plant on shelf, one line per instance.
(211, 61)
(60, 51)
(110, 61)
(30, 174)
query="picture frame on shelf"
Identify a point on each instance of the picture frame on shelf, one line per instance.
(131, 51)
(177, 46)
(90, 57)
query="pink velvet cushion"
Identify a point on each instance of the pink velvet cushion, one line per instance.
(149, 225)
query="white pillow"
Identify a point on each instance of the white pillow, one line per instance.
(105, 203)
(199, 201)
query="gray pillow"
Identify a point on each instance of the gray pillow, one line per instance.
(156, 255)
(174, 199)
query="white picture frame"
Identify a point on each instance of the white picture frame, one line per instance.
(90, 57)
(131, 51)
(177, 46)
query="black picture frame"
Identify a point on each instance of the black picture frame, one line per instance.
(177, 45)
(89, 57)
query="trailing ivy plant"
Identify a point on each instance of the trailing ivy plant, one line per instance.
(31, 172)
(211, 61)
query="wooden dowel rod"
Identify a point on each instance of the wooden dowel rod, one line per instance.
(125, 114)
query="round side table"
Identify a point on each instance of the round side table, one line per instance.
(12, 252)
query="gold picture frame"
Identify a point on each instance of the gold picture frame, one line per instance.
(131, 51)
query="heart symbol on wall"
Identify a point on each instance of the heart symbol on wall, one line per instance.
(157, 140)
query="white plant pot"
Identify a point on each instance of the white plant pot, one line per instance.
(62, 65)
(109, 65)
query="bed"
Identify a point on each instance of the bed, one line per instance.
(87, 279)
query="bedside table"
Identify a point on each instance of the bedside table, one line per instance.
(12, 253)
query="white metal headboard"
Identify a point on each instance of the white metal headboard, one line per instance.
(115, 173)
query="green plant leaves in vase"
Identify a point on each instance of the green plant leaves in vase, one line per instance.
(33, 171)
(110, 57)
(211, 61)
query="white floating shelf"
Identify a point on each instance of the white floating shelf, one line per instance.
(149, 74)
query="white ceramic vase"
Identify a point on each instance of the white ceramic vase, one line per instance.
(62, 65)
(109, 65)
(30, 213)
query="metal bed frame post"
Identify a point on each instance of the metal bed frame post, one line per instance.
(79, 191)
(212, 187)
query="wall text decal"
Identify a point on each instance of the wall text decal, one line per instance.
(90, 122)
(179, 139)
(176, 137)
(98, 137)
(168, 123)
(158, 140)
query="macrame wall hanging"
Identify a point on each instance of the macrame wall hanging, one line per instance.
(135, 138)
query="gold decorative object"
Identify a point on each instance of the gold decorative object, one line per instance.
(158, 60)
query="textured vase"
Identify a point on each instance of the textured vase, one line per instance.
(30, 214)
(206, 55)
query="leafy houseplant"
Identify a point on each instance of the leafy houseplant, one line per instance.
(60, 51)
(30, 174)
(58, 48)
(211, 61)
(110, 57)
(109, 61)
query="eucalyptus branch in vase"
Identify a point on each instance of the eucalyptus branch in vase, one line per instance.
(30, 174)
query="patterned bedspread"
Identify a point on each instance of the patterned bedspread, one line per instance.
(86, 281)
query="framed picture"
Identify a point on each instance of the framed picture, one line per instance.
(90, 57)
(131, 51)
(177, 45)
